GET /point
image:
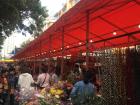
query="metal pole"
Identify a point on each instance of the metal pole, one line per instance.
(87, 40)
(50, 48)
(62, 60)
(34, 67)
(39, 58)
(40, 46)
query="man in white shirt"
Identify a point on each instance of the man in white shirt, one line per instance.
(25, 79)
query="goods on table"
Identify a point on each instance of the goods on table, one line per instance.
(53, 96)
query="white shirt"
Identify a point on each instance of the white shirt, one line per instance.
(41, 79)
(25, 81)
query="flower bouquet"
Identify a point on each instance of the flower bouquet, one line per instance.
(25, 95)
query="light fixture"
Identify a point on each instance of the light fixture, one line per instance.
(91, 41)
(114, 33)
(80, 43)
(61, 48)
(131, 47)
(54, 50)
(69, 55)
(139, 26)
(68, 46)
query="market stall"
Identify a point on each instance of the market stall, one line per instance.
(103, 30)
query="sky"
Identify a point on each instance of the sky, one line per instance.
(53, 5)
(16, 39)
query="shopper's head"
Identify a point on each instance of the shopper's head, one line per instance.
(57, 72)
(3, 73)
(76, 69)
(11, 69)
(24, 69)
(12, 72)
(44, 69)
(87, 76)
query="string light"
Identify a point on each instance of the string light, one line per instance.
(69, 55)
(114, 33)
(80, 43)
(91, 41)
(139, 26)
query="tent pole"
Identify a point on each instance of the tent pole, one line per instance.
(40, 47)
(34, 66)
(50, 47)
(87, 40)
(62, 60)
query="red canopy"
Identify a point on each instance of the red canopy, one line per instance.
(92, 23)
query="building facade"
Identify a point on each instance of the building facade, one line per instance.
(69, 4)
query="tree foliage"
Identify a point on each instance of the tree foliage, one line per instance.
(1, 41)
(24, 44)
(21, 15)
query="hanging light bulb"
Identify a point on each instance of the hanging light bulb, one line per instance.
(91, 41)
(139, 26)
(114, 33)
(80, 43)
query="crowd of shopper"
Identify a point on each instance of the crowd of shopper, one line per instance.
(16, 78)
(8, 83)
